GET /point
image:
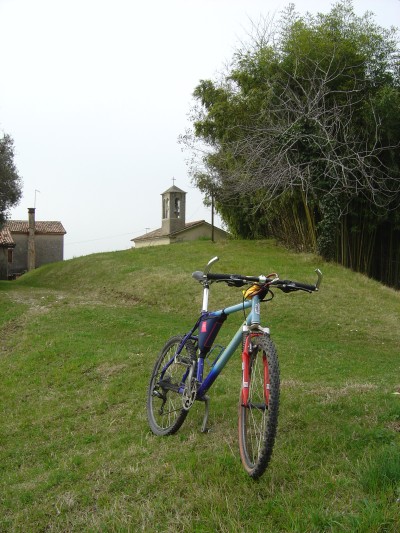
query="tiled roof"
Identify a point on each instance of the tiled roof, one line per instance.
(6, 239)
(150, 235)
(157, 234)
(41, 226)
(190, 225)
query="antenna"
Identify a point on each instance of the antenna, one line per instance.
(34, 205)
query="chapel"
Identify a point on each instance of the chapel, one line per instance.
(174, 227)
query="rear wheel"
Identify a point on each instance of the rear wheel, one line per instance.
(165, 411)
(258, 416)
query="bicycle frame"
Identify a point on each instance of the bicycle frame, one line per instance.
(252, 323)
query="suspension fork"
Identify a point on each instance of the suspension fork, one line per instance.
(247, 354)
(245, 371)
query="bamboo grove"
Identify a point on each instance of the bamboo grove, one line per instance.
(300, 138)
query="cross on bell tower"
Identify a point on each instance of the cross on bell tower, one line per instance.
(173, 209)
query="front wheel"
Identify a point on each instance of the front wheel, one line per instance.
(258, 406)
(165, 411)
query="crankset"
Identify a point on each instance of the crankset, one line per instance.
(190, 390)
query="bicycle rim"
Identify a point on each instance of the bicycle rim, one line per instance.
(259, 417)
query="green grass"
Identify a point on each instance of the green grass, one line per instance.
(79, 340)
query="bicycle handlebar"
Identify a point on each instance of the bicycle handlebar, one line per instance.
(237, 280)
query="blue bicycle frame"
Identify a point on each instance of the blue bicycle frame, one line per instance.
(252, 322)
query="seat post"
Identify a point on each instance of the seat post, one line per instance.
(206, 289)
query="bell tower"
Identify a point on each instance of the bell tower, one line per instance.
(173, 210)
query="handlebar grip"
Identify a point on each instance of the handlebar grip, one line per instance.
(198, 275)
(293, 285)
(305, 286)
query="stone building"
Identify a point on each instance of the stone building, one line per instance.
(174, 227)
(28, 244)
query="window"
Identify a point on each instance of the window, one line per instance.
(177, 208)
(166, 208)
(10, 255)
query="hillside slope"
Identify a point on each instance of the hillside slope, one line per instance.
(79, 339)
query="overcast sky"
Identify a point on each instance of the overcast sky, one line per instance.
(96, 92)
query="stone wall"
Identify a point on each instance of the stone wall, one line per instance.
(48, 249)
(202, 231)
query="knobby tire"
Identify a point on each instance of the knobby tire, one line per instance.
(259, 418)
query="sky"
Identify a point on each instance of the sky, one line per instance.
(95, 94)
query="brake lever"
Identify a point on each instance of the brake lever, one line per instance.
(235, 283)
(288, 287)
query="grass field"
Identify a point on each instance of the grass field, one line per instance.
(78, 342)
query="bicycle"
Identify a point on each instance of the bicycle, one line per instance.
(178, 380)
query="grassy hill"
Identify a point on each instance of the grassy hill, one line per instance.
(79, 340)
